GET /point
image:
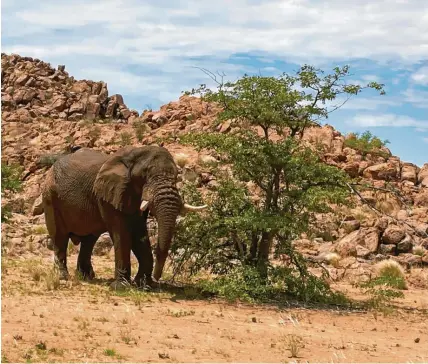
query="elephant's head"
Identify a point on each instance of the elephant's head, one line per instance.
(144, 178)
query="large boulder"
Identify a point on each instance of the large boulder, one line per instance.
(393, 235)
(423, 175)
(409, 172)
(362, 242)
(382, 171)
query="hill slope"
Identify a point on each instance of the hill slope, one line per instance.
(45, 111)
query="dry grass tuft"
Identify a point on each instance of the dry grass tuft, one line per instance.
(181, 159)
(419, 250)
(294, 344)
(392, 272)
(333, 259)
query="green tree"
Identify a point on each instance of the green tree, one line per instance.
(293, 182)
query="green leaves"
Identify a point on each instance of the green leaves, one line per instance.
(11, 178)
(367, 143)
(10, 183)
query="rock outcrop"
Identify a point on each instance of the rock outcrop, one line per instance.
(45, 111)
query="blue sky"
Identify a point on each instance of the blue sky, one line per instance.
(147, 51)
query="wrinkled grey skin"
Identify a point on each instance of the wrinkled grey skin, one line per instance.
(88, 193)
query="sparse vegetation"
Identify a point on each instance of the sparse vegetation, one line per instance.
(94, 133)
(48, 160)
(180, 313)
(140, 129)
(110, 352)
(385, 286)
(52, 279)
(10, 183)
(125, 138)
(366, 143)
(391, 273)
(419, 250)
(40, 230)
(332, 259)
(181, 159)
(294, 343)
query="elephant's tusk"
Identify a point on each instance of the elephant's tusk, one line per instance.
(144, 205)
(188, 207)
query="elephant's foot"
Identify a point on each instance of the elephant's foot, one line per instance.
(61, 267)
(86, 273)
(63, 274)
(144, 281)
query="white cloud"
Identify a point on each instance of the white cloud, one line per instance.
(421, 76)
(425, 140)
(97, 39)
(371, 78)
(418, 98)
(374, 103)
(296, 30)
(387, 120)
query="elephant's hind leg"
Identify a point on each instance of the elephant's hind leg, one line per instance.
(60, 243)
(59, 239)
(84, 264)
(142, 251)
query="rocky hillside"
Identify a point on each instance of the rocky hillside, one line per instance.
(45, 111)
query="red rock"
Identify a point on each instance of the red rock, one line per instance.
(383, 171)
(393, 235)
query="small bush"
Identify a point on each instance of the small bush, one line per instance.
(332, 259)
(52, 279)
(386, 286)
(110, 352)
(245, 283)
(40, 230)
(391, 273)
(294, 344)
(367, 143)
(94, 133)
(419, 250)
(140, 129)
(48, 160)
(181, 159)
(11, 178)
(10, 183)
(125, 138)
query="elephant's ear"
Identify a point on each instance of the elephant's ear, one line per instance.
(112, 181)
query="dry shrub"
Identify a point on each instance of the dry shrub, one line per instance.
(181, 159)
(392, 272)
(333, 259)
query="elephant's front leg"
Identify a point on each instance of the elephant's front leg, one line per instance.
(143, 252)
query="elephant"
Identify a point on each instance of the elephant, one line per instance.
(88, 193)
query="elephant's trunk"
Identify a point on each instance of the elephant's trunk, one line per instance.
(167, 204)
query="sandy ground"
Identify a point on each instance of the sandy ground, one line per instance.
(85, 322)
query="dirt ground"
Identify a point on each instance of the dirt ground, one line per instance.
(85, 322)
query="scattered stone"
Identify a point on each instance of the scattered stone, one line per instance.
(393, 235)
(103, 245)
(388, 249)
(405, 245)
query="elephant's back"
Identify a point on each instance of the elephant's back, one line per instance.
(75, 174)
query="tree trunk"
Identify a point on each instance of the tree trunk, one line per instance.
(263, 253)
